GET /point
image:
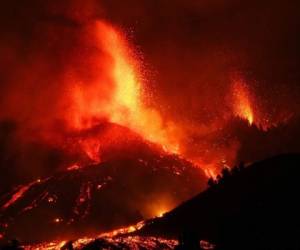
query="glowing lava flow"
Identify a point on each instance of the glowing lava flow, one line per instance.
(19, 193)
(85, 240)
(118, 239)
(129, 242)
(125, 230)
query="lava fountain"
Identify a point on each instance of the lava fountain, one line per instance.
(117, 98)
(242, 101)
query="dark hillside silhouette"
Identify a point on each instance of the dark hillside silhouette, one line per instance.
(254, 207)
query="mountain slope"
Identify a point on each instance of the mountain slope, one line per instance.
(83, 201)
(256, 207)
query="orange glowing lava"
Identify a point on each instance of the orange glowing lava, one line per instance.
(19, 193)
(124, 230)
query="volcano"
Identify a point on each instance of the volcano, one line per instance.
(114, 113)
(134, 181)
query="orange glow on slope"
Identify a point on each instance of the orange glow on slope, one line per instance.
(161, 213)
(242, 106)
(162, 207)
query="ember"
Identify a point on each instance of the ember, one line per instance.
(57, 220)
